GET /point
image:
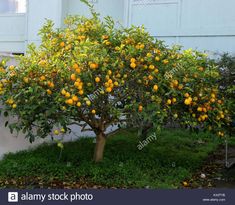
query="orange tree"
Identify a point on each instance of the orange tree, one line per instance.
(95, 75)
(187, 93)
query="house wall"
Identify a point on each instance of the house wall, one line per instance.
(38, 12)
(204, 25)
(114, 8)
(12, 32)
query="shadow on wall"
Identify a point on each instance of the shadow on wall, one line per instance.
(10, 142)
(13, 142)
(16, 142)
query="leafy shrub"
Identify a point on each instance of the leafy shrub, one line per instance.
(226, 66)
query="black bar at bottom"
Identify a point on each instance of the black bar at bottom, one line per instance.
(118, 197)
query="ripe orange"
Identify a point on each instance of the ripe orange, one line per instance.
(79, 87)
(107, 43)
(156, 70)
(168, 102)
(78, 70)
(155, 88)
(81, 92)
(14, 106)
(186, 95)
(26, 80)
(67, 95)
(88, 102)
(94, 65)
(145, 67)
(76, 84)
(106, 84)
(108, 89)
(133, 65)
(141, 46)
(105, 37)
(73, 77)
(42, 78)
(220, 101)
(63, 92)
(200, 68)
(149, 55)
(175, 83)
(140, 108)
(199, 109)
(213, 95)
(165, 61)
(157, 58)
(132, 60)
(187, 101)
(11, 67)
(81, 38)
(109, 72)
(150, 77)
(185, 184)
(75, 66)
(221, 134)
(212, 100)
(42, 63)
(97, 79)
(75, 98)
(49, 92)
(79, 104)
(69, 101)
(93, 112)
(62, 44)
(173, 100)
(51, 84)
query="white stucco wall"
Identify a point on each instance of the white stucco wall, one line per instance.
(114, 8)
(200, 24)
(38, 12)
(12, 32)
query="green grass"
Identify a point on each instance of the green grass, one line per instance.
(163, 163)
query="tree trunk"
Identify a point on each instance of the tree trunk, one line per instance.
(99, 147)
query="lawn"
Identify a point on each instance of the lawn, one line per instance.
(164, 163)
